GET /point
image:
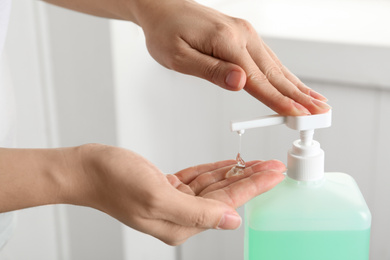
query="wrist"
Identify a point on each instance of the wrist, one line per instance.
(145, 12)
(85, 179)
(132, 10)
(33, 177)
(79, 184)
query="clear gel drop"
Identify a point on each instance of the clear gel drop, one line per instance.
(238, 169)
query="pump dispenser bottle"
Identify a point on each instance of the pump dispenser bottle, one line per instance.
(310, 215)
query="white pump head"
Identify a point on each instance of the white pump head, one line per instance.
(306, 158)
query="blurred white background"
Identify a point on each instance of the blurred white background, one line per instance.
(81, 79)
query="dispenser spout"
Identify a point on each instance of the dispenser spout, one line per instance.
(305, 160)
(300, 123)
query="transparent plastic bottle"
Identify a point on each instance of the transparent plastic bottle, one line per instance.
(326, 219)
(310, 215)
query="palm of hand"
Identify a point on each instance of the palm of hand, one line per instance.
(208, 181)
(172, 207)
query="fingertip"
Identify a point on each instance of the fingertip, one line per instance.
(315, 106)
(277, 177)
(310, 107)
(281, 175)
(235, 80)
(299, 110)
(271, 165)
(278, 165)
(288, 107)
(321, 106)
(230, 220)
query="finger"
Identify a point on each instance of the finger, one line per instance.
(238, 66)
(238, 193)
(293, 78)
(302, 87)
(290, 76)
(206, 179)
(272, 165)
(257, 83)
(189, 174)
(176, 183)
(275, 76)
(260, 87)
(220, 72)
(198, 212)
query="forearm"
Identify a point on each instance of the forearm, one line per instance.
(34, 177)
(115, 9)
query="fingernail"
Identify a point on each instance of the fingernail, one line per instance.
(233, 80)
(230, 220)
(320, 104)
(301, 109)
(317, 95)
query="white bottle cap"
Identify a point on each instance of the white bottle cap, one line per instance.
(305, 160)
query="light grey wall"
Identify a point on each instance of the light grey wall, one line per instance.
(83, 88)
(35, 234)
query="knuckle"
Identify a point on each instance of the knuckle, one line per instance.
(200, 220)
(294, 79)
(224, 30)
(296, 82)
(176, 60)
(212, 71)
(225, 35)
(273, 72)
(200, 181)
(299, 96)
(224, 38)
(302, 87)
(278, 63)
(260, 78)
(245, 25)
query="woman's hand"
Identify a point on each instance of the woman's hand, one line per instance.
(169, 207)
(185, 36)
(126, 186)
(190, 38)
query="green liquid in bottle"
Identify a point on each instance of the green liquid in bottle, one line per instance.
(307, 245)
(325, 220)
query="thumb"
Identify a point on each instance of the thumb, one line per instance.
(222, 73)
(190, 211)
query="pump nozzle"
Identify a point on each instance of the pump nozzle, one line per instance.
(300, 123)
(306, 158)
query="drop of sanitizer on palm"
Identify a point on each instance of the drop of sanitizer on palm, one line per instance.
(238, 169)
